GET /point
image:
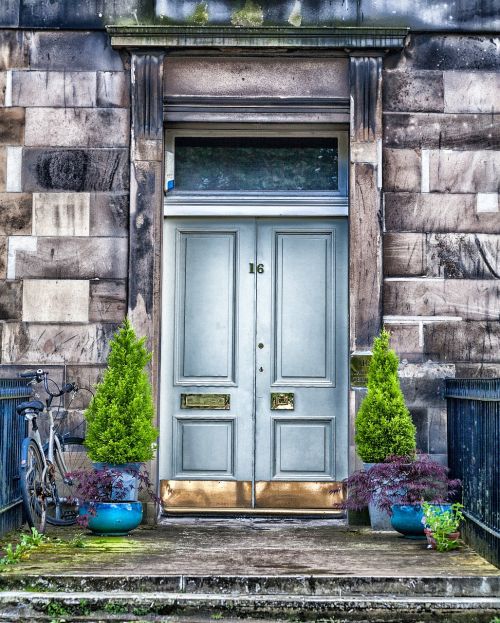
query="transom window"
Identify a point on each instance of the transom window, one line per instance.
(258, 165)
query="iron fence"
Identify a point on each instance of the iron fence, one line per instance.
(474, 457)
(13, 429)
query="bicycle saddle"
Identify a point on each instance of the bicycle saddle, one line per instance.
(35, 405)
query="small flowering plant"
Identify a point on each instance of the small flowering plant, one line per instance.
(400, 480)
(442, 526)
(107, 485)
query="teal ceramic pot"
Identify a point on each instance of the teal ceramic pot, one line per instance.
(113, 518)
(407, 519)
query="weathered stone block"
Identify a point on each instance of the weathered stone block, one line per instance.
(70, 51)
(438, 441)
(464, 171)
(435, 131)
(487, 202)
(61, 214)
(404, 255)
(406, 340)
(3, 257)
(77, 127)
(74, 258)
(413, 91)
(108, 301)
(463, 256)
(423, 384)
(436, 212)
(471, 91)
(3, 79)
(53, 300)
(434, 51)
(113, 89)
(13, 51)
(53, 88)
(14, 168)
(478, 371)
(54, 343)
(420, 418)
(11, 300)
(109, 214)
(3, 168)
(11, 126)
(15, 214)
(468, 299)
(401, 169)
(75, 170)
(463, 341)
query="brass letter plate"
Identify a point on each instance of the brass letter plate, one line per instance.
(206, 401)
(281, 401)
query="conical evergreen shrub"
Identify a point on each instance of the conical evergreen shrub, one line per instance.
(119, 417)
(383, 423)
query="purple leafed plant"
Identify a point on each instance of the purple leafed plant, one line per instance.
(107, 485)
(400, 480)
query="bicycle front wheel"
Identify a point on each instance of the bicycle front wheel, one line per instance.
(62, 504)
(32, 485)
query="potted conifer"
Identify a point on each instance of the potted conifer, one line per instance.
(120, 434)
(383, 423)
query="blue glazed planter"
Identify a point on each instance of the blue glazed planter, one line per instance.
(113, 518)
(407, 519)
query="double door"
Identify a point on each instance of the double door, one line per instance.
(254, 362)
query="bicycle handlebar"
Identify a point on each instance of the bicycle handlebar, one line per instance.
(41, 376)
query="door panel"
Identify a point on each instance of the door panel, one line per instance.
(302, 328)
(207, 378)
(237, 342)
(205, 315)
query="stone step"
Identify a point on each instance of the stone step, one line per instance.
(130, 606)
(294, 585)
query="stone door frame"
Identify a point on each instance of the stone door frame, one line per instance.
(365, 48)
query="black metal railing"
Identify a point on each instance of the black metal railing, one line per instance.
(474, 457)
(13, 429)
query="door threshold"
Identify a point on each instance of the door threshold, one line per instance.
(302, 512)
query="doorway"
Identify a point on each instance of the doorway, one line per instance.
(254, 362)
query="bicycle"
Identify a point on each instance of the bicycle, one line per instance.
(45, 486)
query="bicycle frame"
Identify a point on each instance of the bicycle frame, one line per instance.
(54, 449)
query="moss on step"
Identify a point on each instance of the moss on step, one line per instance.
(250, 14)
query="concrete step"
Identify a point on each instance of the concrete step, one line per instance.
(152, 606)
(294, 585)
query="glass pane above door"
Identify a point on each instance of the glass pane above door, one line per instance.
(256, 164)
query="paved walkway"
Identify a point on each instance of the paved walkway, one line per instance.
(253, 547)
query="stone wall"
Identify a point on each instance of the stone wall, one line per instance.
(441, 218)
(64, 177)
(64, 208)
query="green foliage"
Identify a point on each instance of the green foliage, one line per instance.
(56, 609)
(28, 542)
(383, 424)
(442, 523)
(119, 417)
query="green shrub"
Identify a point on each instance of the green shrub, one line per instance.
(383, 424)
(119, 417)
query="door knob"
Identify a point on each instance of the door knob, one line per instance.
(260, 345)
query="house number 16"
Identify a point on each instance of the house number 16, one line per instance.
(260, 268)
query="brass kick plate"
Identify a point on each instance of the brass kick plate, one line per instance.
(206, 401)
(280, 401)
